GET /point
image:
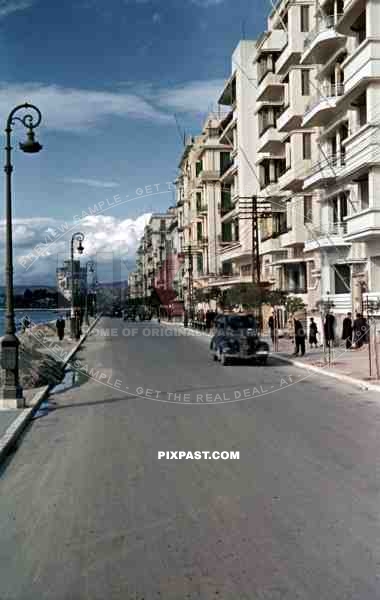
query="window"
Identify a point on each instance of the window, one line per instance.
(364, 193)
(306, 146)
(199, 201)
(307, 210)
(198, 167)
(226, 232)
(199, 232)
(305, 83)
(225, 162)
(305, 23)
(200, 263)
(236, 230)
(342, 279)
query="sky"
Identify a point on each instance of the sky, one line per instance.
(118, 83)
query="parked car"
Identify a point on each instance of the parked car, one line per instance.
(237, 338)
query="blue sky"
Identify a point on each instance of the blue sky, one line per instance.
(108, 77)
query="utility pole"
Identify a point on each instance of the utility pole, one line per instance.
(254, 208)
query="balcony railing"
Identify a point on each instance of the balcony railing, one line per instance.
(331, 161)
(333, 229)
(326, 92)
(324, 23)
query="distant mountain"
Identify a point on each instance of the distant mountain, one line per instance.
(113, 284)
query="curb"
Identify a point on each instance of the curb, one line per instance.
(344, 378)
(14, 431)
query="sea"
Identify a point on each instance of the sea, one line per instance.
(36, 315)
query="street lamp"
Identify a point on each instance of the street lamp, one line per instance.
(90, 268)
(11, 392)
(74, 319)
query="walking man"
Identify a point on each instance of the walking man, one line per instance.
(271, 327)
(347, 331)
(360, 330)
(329, 329)
(60, 325)
(299, 337)
(313, 330)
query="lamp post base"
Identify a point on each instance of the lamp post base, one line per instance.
(11, 397)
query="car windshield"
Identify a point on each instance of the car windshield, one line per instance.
(242, 322)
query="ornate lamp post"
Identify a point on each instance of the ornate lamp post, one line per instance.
(11, 392)
(74, 317)
(90, 268)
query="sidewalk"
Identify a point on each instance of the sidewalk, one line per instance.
(350, 366)
(13, 422)
(343, 364)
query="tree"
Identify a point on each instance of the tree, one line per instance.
(294, 304)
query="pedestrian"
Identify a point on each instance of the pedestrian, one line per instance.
(185, 319)
(360, 330)
(347, 330)
(271, 327)
(329, 329)
(299, 337)
(313, 331)
(26, 322)
(60, 326)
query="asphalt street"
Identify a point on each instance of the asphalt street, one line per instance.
(89, 512)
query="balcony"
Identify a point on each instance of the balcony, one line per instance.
(323, 41)
(291, 53)
(226, 129)
(362, 151)
(270, 243)
(205, 175)
(351, 11)
(360, 66)
(328, 237)
(291, 117)
(270, 141)
(221, 279)
(363, 226)
(322, 107)
(293, 178)
(270, 88)
(294, 236)
(324, 172)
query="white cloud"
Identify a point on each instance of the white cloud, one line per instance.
(79, 110)
(10, 6)
(193, 96)
(97, 183)
(107, 239)
(70, 109)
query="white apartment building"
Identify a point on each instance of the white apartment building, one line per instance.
(199, 202)
(345, 46)
(134, 285)
(151, 254)
(286, 150)
(238, 176)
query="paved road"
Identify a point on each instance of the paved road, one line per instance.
(88, 512)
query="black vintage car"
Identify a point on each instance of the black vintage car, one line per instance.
(237, 337)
